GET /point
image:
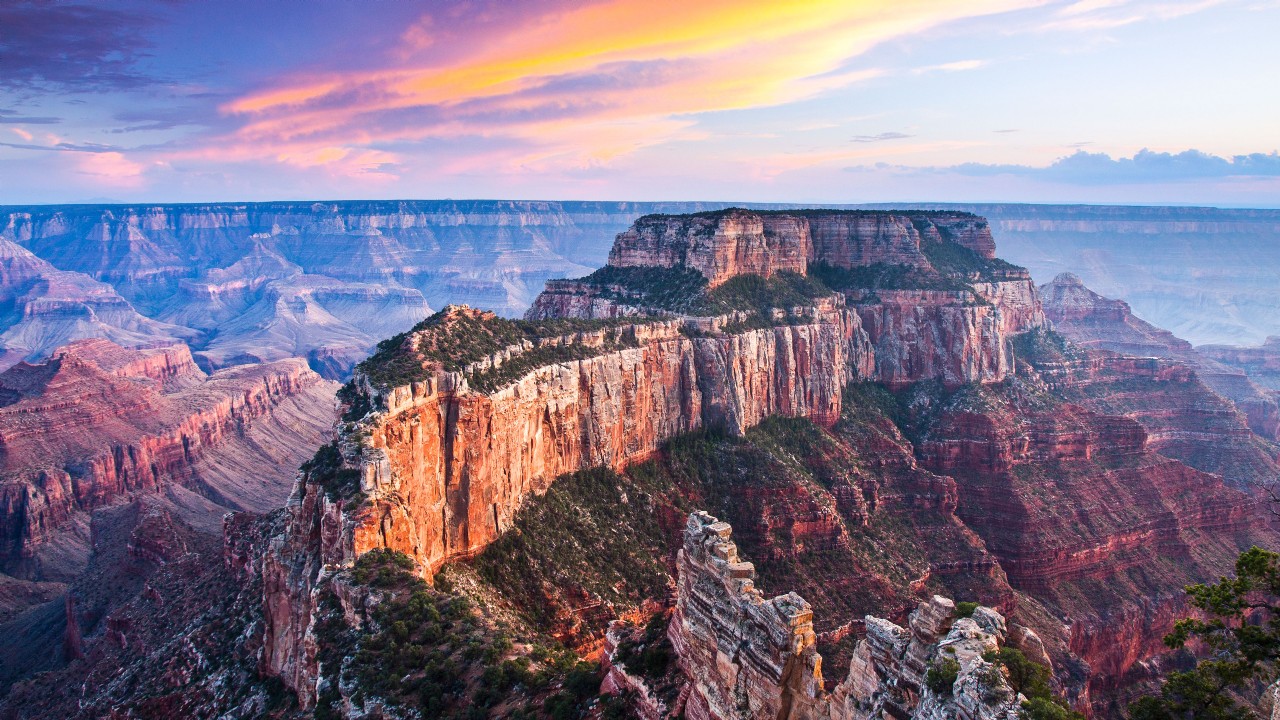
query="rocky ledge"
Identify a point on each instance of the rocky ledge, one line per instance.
(745, 656)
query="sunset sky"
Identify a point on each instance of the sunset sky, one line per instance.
(1140, 101)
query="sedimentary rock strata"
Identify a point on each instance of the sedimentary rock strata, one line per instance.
(98, 422)
(746, 656)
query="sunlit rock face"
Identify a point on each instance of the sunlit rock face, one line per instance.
(443, 451)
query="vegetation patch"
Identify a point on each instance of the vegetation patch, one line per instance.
(684, 291)
(327, 469)
(454, 338)
(593, 536)
(355, 402)
(435, 652)
(941, 676)
(491, 379)
(885, 276)
(675, 290)
(954, 259)
(1040, 346)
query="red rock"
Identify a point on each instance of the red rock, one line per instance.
(154, 417)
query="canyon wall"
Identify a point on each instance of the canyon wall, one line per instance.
(98, 422)
(446, 468)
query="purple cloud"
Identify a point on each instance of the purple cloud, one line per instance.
(1084, 168)
(14, 118)
(52, 45)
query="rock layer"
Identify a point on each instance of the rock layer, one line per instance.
(155, 419)
(750, 657)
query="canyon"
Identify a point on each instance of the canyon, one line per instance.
(98, 422)
(243, 282)
(871, 399)
(439, 471)
(117, 462)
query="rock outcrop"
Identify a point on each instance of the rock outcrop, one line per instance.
(721, 245)
(750, 657)
(98, 422)
(745, 656)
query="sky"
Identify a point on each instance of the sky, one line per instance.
(846, 101)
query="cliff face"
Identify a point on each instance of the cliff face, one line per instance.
(98, 422)
(958, 335)
(448, 466)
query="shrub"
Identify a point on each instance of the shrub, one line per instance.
(1047, 709)
(942, 675)
(327, 469)
(965, 609)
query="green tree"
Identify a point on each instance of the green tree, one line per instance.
(1240, 632)
(1031, 679)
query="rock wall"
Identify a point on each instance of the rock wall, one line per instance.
(928, 334)
(449, 467)
(1086, 518)
(1177, 398)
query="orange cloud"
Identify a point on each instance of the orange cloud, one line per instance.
(563, 83)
